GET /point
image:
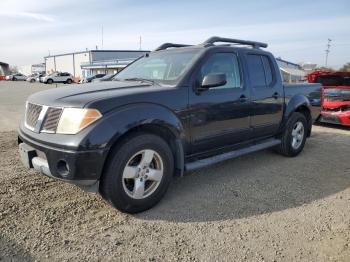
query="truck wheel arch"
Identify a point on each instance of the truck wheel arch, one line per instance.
(301, 104)
(306, 112)
(147, 118)
(166, 134)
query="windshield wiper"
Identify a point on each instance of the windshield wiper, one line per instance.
(141, 80)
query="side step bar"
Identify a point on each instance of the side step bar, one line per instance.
(236, 153)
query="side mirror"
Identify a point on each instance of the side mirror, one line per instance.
(213, 80)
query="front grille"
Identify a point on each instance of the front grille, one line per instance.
(52, 117)
(331, 109)
(32, 114)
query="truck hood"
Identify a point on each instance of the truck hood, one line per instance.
(84, 94)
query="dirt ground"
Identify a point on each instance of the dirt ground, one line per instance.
(259, 207)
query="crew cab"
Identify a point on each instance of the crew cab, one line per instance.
(335, 96)
(57, 77)
(177, 109)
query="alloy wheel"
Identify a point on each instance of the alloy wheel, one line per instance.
(297, 134)
(142, 174)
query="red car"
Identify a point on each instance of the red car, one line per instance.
(335, 96)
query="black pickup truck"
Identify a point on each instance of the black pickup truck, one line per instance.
(175, 109)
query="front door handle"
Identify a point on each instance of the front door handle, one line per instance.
(242, 99)
(275, 95)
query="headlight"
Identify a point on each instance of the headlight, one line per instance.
(74, 120)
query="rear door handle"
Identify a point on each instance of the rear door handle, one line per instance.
(242, 99)
(275, 95)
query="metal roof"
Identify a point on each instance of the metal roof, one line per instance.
(293, 71)
(98, 51)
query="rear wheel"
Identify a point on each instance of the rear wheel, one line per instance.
(69, 81)
(32, 80)
(294, 136)
(138, 173)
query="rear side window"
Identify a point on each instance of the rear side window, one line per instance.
(260, 71)
(268, 70)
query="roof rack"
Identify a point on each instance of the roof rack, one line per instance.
(215, 39)
(168, 45)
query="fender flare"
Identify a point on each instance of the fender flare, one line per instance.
(297, 101)
(121, 120)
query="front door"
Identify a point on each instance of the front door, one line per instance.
(219, 116)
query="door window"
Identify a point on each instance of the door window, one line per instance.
(268, 70)
(223, 63)
(260, 70)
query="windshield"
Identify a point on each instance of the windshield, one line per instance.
(161, 67)
(337, 94)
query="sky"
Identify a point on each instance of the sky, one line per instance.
(295, 30)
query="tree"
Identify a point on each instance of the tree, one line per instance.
(345, 67)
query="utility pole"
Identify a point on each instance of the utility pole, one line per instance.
(102, 37)
(328, 50)
(140, 43)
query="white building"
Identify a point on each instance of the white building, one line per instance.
(31, 69)
(291, 73)
(86, 63)
(308, 66)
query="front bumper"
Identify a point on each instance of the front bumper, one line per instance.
(82, 168)
(339, 118)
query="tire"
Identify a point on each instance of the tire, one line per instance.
(32, 80)
(49, 81)
(117, 186)
(14, 79)
(69, 81)
(294, 136)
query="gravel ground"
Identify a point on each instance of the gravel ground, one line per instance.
(259, 207)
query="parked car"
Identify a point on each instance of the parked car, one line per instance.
(16, 77)
(34, 77)
(177, 109)
(40, 77)
(336, 96)
(66, 78)
(108, 77)
(90, 78)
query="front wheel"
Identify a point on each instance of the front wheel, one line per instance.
(138, 173)
(69, 81)
(294, 135)
(49, 81)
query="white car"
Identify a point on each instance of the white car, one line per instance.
(57, 78)
(33, 78)
(15, 77)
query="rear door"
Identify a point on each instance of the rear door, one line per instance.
(266, 94)
(219, 116)
(65, 77)
(58, 77)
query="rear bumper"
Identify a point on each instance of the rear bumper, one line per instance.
(82, 168)
(339, 118)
